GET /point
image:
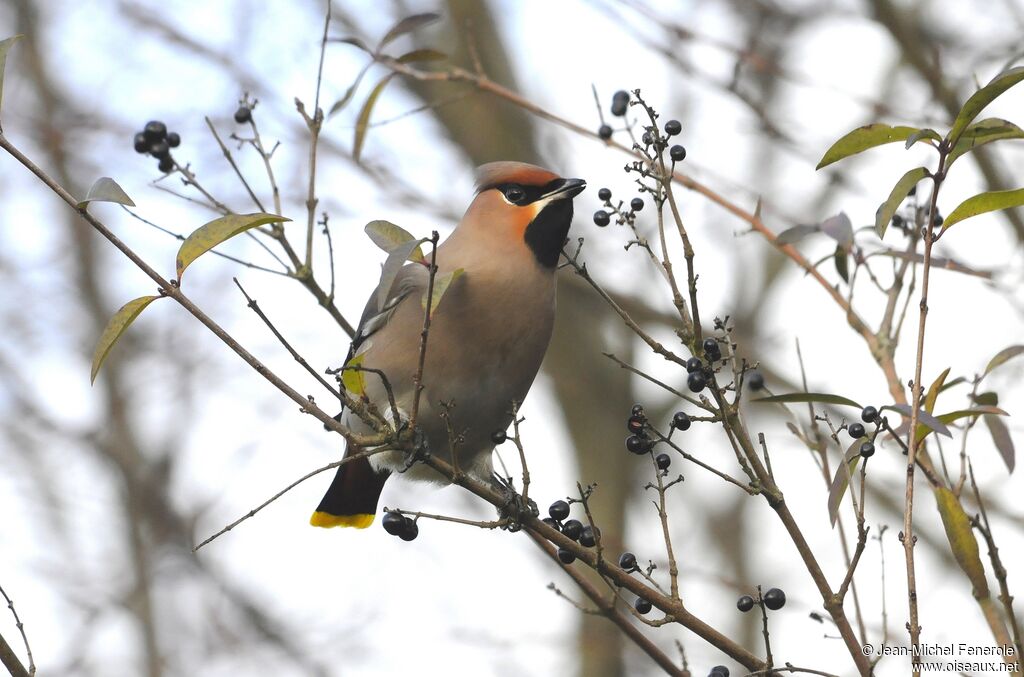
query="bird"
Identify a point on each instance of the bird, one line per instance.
(486, 341)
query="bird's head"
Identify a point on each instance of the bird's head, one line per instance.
(519, 204)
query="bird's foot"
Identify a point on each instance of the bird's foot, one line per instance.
(515, 507)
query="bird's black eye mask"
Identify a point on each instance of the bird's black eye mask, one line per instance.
(520, 195)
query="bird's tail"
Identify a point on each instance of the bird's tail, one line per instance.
(351, 500)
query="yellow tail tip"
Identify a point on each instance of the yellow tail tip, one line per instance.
(327, 520)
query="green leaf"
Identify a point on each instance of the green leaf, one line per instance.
(808, 397)
(1003, 441)
(839, 228)
(920, 134)
(4, 46)
(842, 264)
(795, 234)
(899, 193)
(441, 285)
(863, 138)
(419, 55)
(208, 236)
(363, 121)
(923, 417)
(984, 202)
(955, 382)
(982, 98)
(924, 431)
(353, 380)
(961, 539)
(980, 133)
(988, 399)
(841, 480)
(387, 236)
(343, 101)
(115, 327)
(934, 390)
(1002, 357)
(355, 42)
(407, 25)
(106, 190)
(394, 263)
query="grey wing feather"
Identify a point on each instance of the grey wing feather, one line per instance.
(412, 277)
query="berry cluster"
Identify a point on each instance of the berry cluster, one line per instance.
(620, 104)
(156, 141)
(400, 525)
(638, 442)
(700, 374)
(602, 217)
(773, 600)
(869, 415)
(558, 514)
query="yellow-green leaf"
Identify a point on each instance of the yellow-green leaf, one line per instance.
(982, 410)
(208, 236)
(983, 203)
(106, 190)
(899, 193)
(934, 390)
(407, 25)
(441, 285)
(4, 46)
(343, 101)
(808, 397)
(1001, 438)
(920, 134)
(961, 538)
(353, 380)
(922, 417)
(420, 55)
(982, 98)
(1003, 356)
(841, 480)
(392, 266)
(388, 236)
(115, 327)
(980, 133)
(863, 138)
(363, 121)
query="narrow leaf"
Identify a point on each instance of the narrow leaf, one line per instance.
(420, 55)
(899, 193)
(923, 417)
(407, 25)
(987, 399)
(863, 138)
(841, 480)
(982, 98)
(842, 264)
(354, 41)
(961, 538)
(115, 327)
(981, 133)
(394, 263)
(839, 228)
(387, 236)
(1002, 357)
(208, 236)
(933, 391)
(951, 417)
(1003, 441)
(795, 234)
(350, 92)
(353, 380)
(920, 134)
(4, 46)
(983, 203)
(106, 190)
(808, 397)
(441, 285)
(955, 382)
(363, 121)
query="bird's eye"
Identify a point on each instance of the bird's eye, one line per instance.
(514, 193)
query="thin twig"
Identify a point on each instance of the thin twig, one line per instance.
(424, 333)
(24, 638)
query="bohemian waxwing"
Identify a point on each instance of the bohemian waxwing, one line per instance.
(487, 337)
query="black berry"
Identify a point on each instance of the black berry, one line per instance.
(856, 430)
(604, 194)
(647, 138)
(693, 364)
(711, 346)
(499, 436)
(627, 561)
(601, 218)
(719, 671)
(673, 127)
(573, 529)
(166, 164)
(393, 523)
(243, 114)
(696, 382)
(635, 424)
(868, 414)
(174, 139)
(604, 132)
(897, 221)
(551, 523)
(559, 510)
(636, 204)
(913, 191)
(566, 556)
(938, 219)
(867, 450)
(159, 149)
(588, 537)
(410, 530)
(681, 420)
(775, 599)
(154, 130)
(637, 410)
(141, 143)
(663, 461)
(620, 101)
(677, 153)
(745, 603)
(755, 380)
(642, 606)
(637, 445)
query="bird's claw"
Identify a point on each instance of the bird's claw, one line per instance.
(516, 507)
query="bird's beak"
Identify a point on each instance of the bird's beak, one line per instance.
(567, 188)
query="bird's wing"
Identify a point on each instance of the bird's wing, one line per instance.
(411, 278)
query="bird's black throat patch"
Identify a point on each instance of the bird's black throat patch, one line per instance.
(546, 234)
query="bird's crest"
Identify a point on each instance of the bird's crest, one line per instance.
(495, 173)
